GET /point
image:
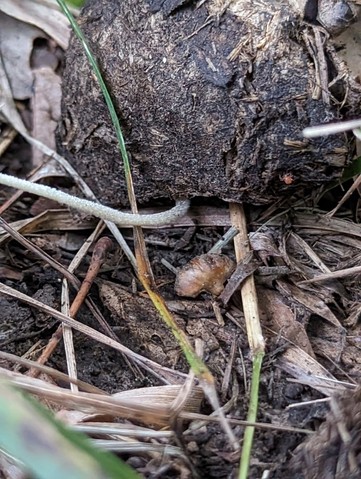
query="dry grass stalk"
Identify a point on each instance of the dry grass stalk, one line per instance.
(152, 406)
(73, 280)
(342, 273)
(28, 363)
(254, 331)
(248, 288)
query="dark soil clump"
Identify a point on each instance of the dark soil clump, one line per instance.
(212, 101)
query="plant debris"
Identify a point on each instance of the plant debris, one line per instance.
(128, 385)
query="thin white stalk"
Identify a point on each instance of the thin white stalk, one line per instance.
(331, 128)
(96, 209)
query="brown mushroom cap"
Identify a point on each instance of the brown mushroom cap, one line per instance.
(204, 273)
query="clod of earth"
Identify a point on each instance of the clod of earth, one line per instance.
(212, 99)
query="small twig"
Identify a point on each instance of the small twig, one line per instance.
(310, 253)
(169, 266)
(7, 136)
(228, 370)
(248, 290)
(98, 258)
(342, 273)
(226, 238)
(244, 269)
(67, 334)
(28, 363)
(161, 372)
(355, 186)
(73, 280)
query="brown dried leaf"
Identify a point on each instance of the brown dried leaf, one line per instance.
(46, 109)
(49, 220)
(282, 320)
(322, 224)
(16, 45)
(138, 322)
(153, 412)
(45, 15)
(308, 371)
(311, 302)
(243, 269)
(264, 244)
(163, 396)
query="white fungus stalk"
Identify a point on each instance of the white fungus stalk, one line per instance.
(331, 128)
(96, 209)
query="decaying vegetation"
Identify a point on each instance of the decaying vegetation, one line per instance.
(212, 97)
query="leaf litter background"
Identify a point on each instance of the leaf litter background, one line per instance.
(312, 366)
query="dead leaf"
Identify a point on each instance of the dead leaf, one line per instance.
(163, 396)
(315, 304)
(16, 45)
(139, 325)
(282, 319)
(264, 244)
(45, 104)
(49, 220)
(350, 43)
(8, 108)
(328, 341)
(308, 371)
(243, 269)
(45, 16)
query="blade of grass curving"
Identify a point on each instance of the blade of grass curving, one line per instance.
(201, 371)
(144, 270)
(108, 101)
(46, 448)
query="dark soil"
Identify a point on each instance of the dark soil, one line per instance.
(133, 319)
(212, 101)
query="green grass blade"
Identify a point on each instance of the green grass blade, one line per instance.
(104, 89)
(144, 271)
(47, 449)
(197, 365)
(75, 3)
(251, 416)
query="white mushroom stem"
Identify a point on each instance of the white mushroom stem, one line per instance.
(97, 209)
(331, 128)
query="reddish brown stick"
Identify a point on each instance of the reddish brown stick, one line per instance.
(101, 248)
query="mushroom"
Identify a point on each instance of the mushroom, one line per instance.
(204, 273)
